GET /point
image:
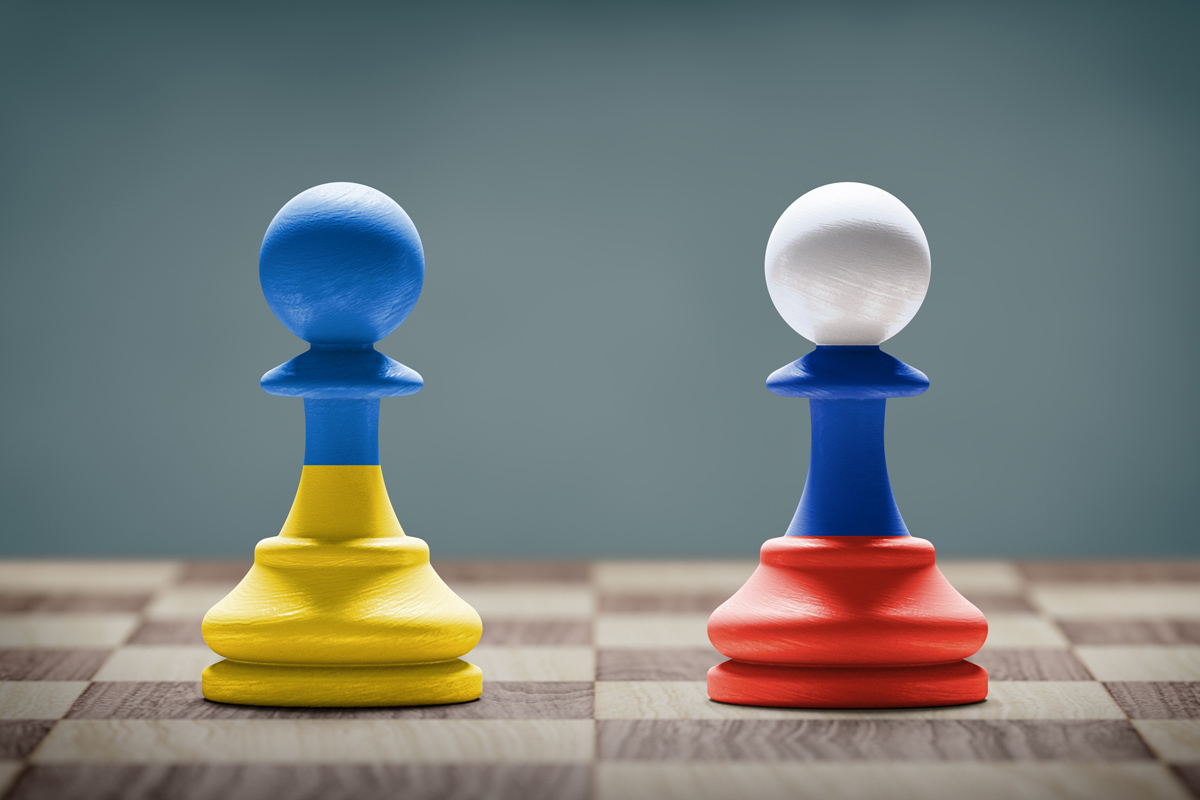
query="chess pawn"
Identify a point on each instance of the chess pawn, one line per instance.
(341, 608)
(847, 610)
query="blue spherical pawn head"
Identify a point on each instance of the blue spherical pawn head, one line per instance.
(341, 264)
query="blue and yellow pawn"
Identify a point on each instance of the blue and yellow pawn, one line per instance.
(341, 608)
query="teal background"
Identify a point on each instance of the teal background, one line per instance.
(594, 186)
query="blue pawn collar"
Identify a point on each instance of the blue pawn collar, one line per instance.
(847, 372)
(329, 372)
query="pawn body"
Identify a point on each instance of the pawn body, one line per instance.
(342, 608)
(847, 610)
(847, 622)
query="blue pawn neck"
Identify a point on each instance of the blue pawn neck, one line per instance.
(341, 431)
(847, 492)
(341, 386)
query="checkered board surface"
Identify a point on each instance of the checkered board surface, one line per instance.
(594, 689)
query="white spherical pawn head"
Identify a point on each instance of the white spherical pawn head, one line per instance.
(847, 264)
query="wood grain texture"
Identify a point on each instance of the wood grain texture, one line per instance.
(38, 699)
(19, 737)
(670, 577)
(1189, 774)
(1157, 700)
(780, 780)
(1115, 601)
(999, 602)
(502, 632)
(1023, 630)
(168, 632)
(307, 741)
(157, 663)
(1174, 740)
(75, 629)
(186, 602)
(642, 664)
(238, 753)
(982, 576)
(1148, 663)
(168, 700)
(653, 631)
(51, 664)
(816, 740)
(1132, 632)
(73, 601)
(553, 663)
(222, 572)
(8, 774)
(1031, 665)
(1023, 700)
(1111, 571)
(86, 576)
(537, 601)
(323, 782)
(703, 602)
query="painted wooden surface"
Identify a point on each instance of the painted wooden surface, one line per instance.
(847, 610)
(341, 608)
(847, 622)
(847, 264)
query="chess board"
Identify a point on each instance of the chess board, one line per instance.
(594, 688)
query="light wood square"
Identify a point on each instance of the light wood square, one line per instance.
(1118, 601)
(1174, 740)
(652, 630)
(1142, 663)
(1020, 631)
(528, 601)
(981, 576)
(185, 602)
(65, 630)
(302, 741)
(38, 699)
(672, 576)
(156, 663)
(86, 576)
(534, 663)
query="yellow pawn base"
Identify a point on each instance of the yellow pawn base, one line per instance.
(246, 683)
(342, 609)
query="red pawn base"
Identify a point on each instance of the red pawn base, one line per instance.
(847, 622)
(863, 687)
